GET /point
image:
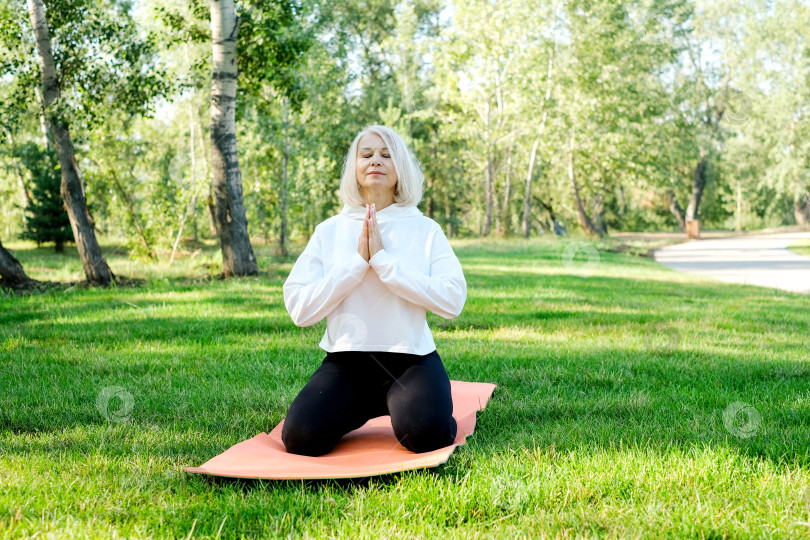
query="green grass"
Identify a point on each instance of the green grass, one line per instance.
(802, 248)
(614, 375)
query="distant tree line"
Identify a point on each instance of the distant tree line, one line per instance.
(166, 123)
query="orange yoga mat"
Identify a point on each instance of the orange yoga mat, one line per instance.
(367, 451)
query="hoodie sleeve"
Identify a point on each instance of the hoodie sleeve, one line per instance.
(309, 294)
(443, 291)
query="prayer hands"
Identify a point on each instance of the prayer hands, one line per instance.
(370, 239)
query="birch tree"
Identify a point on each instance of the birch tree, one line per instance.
(486, 42)
(95, 266)
(231, 219)
(539, 133)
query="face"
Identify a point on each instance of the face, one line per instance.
(375, 169)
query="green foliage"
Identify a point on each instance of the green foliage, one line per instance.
(274, 37)
(46, 217)
(141, 187)
(102, 60)
(105, 65)
(17, 64)
(647, 88)
(184, 23)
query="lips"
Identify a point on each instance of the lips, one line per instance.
(375, 172)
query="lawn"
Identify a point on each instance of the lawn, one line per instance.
(802, 248)
(632, 401)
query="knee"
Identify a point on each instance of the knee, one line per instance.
(303, 441)
(425, 435)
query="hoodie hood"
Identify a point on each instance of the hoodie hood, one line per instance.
(389, 213)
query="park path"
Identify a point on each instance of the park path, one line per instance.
(761, 259)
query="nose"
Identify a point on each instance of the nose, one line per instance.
(375, 160)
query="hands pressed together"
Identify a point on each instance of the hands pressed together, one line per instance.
(370, 239)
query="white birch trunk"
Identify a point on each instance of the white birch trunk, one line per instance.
(95, 266)
(237, 253)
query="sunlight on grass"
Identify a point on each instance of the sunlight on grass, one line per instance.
(632, 401)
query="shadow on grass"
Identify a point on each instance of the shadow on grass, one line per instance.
(345, 485)
(608, 361)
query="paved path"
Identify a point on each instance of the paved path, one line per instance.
(753, 260)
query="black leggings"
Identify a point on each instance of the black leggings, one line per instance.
(350, 388)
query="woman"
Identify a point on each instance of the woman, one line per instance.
(373, 270)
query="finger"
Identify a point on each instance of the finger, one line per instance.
(374, 232)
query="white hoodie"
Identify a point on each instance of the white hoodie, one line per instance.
(378, 305)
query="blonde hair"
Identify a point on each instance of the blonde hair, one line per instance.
(410, 180)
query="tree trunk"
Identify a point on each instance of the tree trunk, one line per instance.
(431, 200)
(194, 219)
(488, 166)
(209, 200)
(527, 197)
(11, 271)
(231, 218)
(582, 216)
(527, 200)
(599, 214)
(677, 211)
(180, 229)
(698, 185)
(212, 212)
(429, 205)
(552, 224)
(503, 214)
(193, 120)
(43, 124)
(282, 237)
(488, 181)
(193, 202)
(95, 266)
(801, 210)
(738, 214)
